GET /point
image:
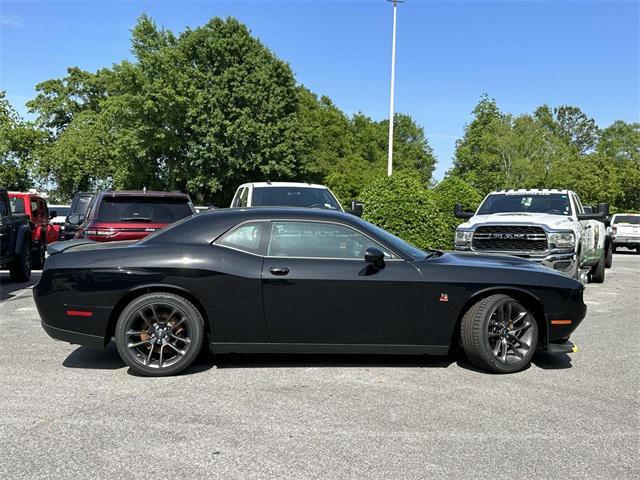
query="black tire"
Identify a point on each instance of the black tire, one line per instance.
(598, 272)
(158, 308)
(37, 260)
(609, 257)
(20, 269)
(480, 326)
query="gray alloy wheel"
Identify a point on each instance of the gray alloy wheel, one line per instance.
(20, 270)
(159, 334)
(499, 334)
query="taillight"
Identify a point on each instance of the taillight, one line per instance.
(98, 233)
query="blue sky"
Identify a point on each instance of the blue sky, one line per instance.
(522, 53)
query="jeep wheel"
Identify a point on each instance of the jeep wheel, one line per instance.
(597, 273)
(499, 334)
(37, 260)
(20, 270)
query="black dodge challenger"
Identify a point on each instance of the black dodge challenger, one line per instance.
(300, 281)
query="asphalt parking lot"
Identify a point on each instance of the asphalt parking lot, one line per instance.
(75, 412)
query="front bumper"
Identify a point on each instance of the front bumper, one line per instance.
(561, 261)
(563, 347)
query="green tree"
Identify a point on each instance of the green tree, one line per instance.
(19, 141)
(403, 206)
(447, 193)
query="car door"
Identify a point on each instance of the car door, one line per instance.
(317, 289)
(6, 226)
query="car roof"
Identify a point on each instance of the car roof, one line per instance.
(209, 225)
(532, 190)
(283, 184)
(141, 193)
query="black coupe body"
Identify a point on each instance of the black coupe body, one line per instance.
(300, 281)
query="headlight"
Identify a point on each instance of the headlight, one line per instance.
(463, 237)
(562, 239)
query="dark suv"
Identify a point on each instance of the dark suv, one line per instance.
(132, 215)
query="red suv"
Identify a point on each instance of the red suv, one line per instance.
(42, 232)
(113, 216)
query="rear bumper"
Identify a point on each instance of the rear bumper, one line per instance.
(73, 337)
(626, 240)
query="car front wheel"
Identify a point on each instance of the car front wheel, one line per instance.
(159, 334)
(499, 334)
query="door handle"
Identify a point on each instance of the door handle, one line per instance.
(279, 270)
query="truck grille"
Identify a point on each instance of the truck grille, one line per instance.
(509, 238)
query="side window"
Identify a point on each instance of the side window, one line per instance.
(3, 206)
(44, 211)
(578, 205)
(318, 240)
(248, 237)
(243, 197)
(35, 212)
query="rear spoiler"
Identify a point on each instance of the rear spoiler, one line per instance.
(59, 247)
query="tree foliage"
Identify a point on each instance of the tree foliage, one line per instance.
(203, 111)
(554, 148)
(18, 143)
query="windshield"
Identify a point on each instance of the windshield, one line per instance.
(143, 209)
(530, 202)
(294, 197)
(631, 219)
(397, 243)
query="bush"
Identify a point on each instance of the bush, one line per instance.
(447, 193)
(403, 206)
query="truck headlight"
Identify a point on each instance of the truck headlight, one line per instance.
(562, 239)
(463, 238)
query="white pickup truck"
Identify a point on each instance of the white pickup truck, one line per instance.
(546, 226)
(625, 229)
(285, 194)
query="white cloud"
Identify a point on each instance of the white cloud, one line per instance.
(10, 21)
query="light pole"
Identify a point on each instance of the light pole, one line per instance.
(393, 81)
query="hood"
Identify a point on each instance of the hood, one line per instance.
(559, 222)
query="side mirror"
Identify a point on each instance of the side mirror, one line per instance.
(603, 208)
(74, 219)
(592, 216)
(53, 214)
(460, 213)
(374, 256)
(356, 208)
(587, 209)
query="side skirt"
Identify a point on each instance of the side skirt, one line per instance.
(371, 349)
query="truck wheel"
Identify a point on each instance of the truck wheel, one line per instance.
(37, 260)
(609, 257)
(597, 274)
(499, 334)
(20, 270)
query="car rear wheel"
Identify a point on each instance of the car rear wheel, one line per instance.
(499, 334)
(159, 334)
(20, 270)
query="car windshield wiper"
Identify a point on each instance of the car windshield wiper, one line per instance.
(136, 219)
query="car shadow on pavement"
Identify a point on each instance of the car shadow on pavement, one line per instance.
(108, 359)
(549, 361)
(9, 289)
